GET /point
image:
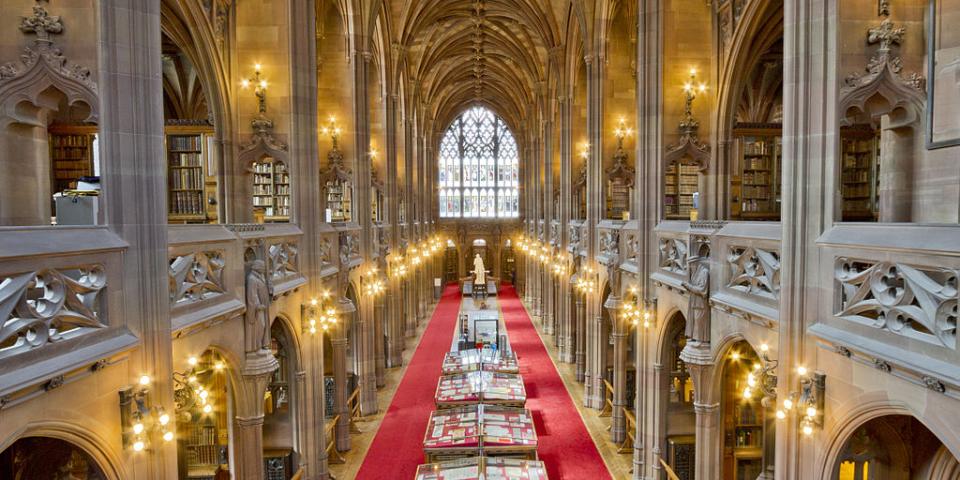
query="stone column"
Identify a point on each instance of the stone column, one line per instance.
(379, 332)
(341, 394)
(581, 337)
(410, 309)
(620, 335)
(709, 440)
(248, 449)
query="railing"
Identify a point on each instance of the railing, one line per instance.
(892, 302)
(607, 400)
(353, 404)
(60, 316)
(745, 270)
(209, 266)
(333, 456)
(630, 437)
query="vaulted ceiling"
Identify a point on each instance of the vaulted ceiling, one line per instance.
(494, 52)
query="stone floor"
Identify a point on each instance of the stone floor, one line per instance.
(618, 464)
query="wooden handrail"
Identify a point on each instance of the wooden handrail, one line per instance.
(353, 403)
(298, 475)
(630, 422)
(607, 400)
(333, 456)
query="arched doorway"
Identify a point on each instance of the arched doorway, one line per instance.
(743, 416)
(279, 410)
(676, 385)
(204, 403)
(45, 457)
(894, 447)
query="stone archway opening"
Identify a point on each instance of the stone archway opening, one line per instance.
(894, 447)
(47, 457)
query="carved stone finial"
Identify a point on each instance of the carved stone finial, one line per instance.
(41, 23)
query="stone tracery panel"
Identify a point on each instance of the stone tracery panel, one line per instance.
(754, 271)
(283, 259)
(49, 305)
(196, 276)
(916, 302)
(673, 255)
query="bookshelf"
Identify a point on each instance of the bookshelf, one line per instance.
(755, 184)
(681, 181)
(187, 182)
(859, 174)
(339, 200)
(271, 189)
(71, 155)
(743, 423)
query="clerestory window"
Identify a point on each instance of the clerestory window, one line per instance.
(479, 167)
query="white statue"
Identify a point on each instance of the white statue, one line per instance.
(479, 274)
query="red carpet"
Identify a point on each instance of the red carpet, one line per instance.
(565, 445)
(398, 447)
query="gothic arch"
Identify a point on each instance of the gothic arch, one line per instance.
(869, 406)
(86, 439)
(45, 70)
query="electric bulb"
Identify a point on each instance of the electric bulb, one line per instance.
(218, 366)
(192, 379)
(145, 380)
(781, 414)
(735, 355)
(314, 329)
(192, 361)
(802, 371)
(245, 83)
(167, 436)
(764, 347)
(787, 404)
(811, 411)
(138, 445)
(256, 67)
(138, 428)
(163, 419)
(313, 302)
(204, 394)
(207, 409)
(751, 381)
(807, 429)
(747, 393)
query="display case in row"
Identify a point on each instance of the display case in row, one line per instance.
(475, 387)
(473, 360)
(483, 468)
(480, 429)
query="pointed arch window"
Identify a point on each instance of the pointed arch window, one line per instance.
(478, 167)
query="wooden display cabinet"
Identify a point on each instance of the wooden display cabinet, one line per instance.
(755, 179)
(860, 172)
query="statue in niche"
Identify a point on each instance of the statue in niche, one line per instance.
(257, 331)
(479, 274)
(698, 286)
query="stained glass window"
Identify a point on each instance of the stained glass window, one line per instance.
(479, 167)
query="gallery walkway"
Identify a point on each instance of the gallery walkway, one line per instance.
(565, 444)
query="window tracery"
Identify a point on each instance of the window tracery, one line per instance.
(478, 171)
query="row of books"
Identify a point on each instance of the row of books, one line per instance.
(186, 178)
(187, 203)
(185, 160)
(184, 142)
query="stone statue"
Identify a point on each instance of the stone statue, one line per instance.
(698, 312)
(479, 274)
(257, 327)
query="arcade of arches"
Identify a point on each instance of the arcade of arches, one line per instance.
(251, 239)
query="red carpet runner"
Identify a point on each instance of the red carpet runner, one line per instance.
(398, 447)
(565, 445)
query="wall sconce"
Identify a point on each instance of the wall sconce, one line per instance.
(320, 313)
(140, 422)
(691, 89)
(622, 131)
(587, 281)
(333, 130)
(259, 88)
(638, 312)
(189, 390)
(371, 282)
(808, 401)
(398, 269)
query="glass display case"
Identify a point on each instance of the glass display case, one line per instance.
(476, 387)
(474, 360)
(480, 429)
(487, 468)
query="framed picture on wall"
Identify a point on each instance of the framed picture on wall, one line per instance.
(943, 75)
